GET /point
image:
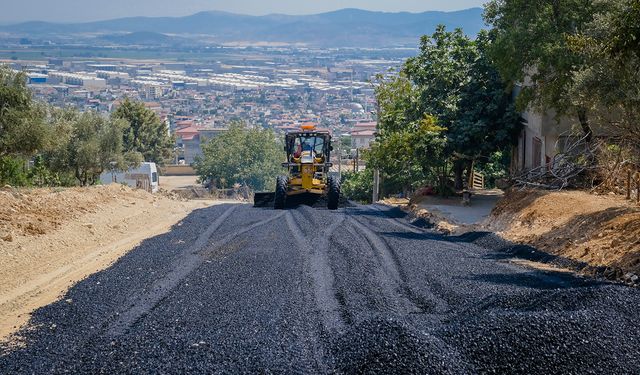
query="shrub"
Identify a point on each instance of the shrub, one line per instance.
(12, 171)
(358, 186)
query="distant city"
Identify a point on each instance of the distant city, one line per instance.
(198, 84)
(263, 87)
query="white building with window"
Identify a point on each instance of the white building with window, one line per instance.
(363, 134)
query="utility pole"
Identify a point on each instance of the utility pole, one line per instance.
(351, 83)
(376, 185)
(340, 158)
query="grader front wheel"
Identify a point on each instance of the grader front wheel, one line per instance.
(281, 192)
(333, 195)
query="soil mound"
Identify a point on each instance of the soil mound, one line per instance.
(601, 231)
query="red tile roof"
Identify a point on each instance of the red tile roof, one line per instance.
(369, 125)
(187, 130)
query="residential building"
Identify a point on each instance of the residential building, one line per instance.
(190, 140)
(363, 134)
(544, 136)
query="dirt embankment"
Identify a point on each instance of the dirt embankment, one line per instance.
(600, 231)
(52, 238)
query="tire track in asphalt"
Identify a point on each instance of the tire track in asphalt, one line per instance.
(316, 259)
(475, 251)
(397, 222)
(392, 277)
(142, 304)
(466, 250)
(470, 250)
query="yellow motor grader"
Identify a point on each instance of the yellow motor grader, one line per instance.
(308, 162)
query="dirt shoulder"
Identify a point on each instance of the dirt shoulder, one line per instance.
(450, 215)
(599, 234)
(601, 231)
(52, 238)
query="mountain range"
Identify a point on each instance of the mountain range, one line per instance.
(344, 28)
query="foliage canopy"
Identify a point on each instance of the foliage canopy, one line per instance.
(242, 155)
(144, 132)
(63, 146)
(23, 130)
(608, 82)
(531, 48)
(447, 103)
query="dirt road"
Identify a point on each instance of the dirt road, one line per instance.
(234, 289)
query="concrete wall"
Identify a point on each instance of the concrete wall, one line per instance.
(361, 141)
(544, 128)
(177, 170)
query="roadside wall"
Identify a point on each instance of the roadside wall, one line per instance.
(177, 170)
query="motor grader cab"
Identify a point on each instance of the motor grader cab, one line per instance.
(308, 153)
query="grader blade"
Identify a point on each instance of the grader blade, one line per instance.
(264, 199)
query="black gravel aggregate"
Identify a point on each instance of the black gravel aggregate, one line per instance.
(356, 291)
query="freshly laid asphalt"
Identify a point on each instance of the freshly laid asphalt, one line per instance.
(237, 289)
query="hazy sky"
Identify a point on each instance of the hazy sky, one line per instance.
(90, 10)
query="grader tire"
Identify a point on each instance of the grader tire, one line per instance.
(281, 192)
(333, 195)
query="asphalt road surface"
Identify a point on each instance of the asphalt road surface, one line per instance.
(237, 289)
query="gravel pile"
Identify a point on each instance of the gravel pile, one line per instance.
(583, 330)
(386, 346)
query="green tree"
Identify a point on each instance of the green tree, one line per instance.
(56, 155)
(85, 145)
(486, 120)
(40, 175)
(398, 103)
(531, 46)
(456, 81)
(243, 155)
(409, 146)
(12, 171)
(96, 145)
(621, 19)
(144, 133)
(393, 150)
(608, 82)
(23, 130)
(410, 157)
(441, 71)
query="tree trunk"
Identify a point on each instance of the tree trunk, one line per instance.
(584, 123)
(469, 173)
(458, 169)
(77, 173)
